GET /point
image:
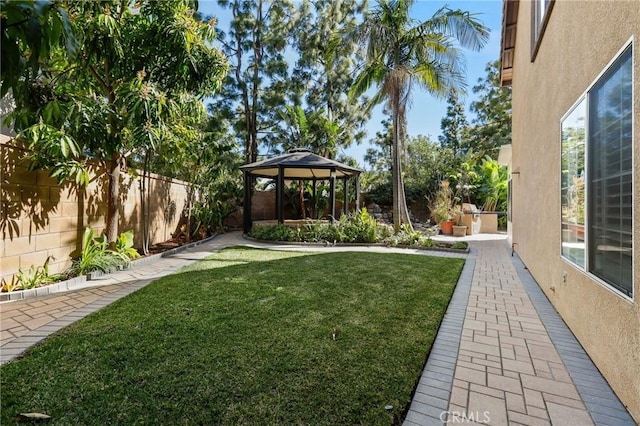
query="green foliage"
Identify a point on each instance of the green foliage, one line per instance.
(35, 276)
(312, 35)
(492, 185)
(426, 165)
(217, 179)
(327, 61)
(210, 215)
(409, 237)
(95, 255)
(453, 125)
(124, 246)
(52, 149)
(483, 183)
(30, 31)
(377, 190)
(138, 75)
(492, 126)
(460, 245)
(378, 156)
(255, 90)
(358, 228)
(274, 233)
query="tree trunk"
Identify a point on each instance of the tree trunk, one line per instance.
(255, 91)
(113, 201)
(395, 164)
(144, 203)
(400, 211)
(189, 211)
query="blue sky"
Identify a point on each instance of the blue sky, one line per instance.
(425, 112)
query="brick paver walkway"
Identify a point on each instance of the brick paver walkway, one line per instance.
(494, 361)
(497, 363)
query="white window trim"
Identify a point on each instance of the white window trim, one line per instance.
(634, 238)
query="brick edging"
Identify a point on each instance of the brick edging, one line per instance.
(84, 281)
(318, 244)
(430, 399)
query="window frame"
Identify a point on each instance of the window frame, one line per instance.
(539, 24)
(584, 97)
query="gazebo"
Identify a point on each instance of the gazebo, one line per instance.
(298, 164)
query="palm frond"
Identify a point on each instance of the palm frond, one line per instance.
(373, 72)
(462, 25)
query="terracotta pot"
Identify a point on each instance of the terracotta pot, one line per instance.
(447, 227)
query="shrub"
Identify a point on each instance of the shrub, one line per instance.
(319, 232)
(95, 255)
(408, 237)
(124, 247)
(274, 233)
(460, 245)
(32, 278)
(359, 228)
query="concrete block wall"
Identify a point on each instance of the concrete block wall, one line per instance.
(39, 218)
(263, 205)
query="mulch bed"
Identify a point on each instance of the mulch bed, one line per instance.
(172, 243)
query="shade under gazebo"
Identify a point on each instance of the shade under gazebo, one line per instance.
(297, 164)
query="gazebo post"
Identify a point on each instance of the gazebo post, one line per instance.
(315, 199)
(279, 192)
(357, 178)
(332, 190)
(246, 212)
(345, 200)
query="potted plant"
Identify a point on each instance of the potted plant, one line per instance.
(459, 229)
(442, 208)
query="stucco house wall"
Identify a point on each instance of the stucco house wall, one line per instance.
(580, 40)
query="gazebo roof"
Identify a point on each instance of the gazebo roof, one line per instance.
(300, 164)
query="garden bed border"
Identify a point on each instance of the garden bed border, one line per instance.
(84, 281)
(328, 244)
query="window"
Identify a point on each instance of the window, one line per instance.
(573, 184)
(540, 11)
(596, 183)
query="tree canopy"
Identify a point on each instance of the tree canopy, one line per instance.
(401, 53)
(491, 127)
(139, 75)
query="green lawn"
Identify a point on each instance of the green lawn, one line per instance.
(245, 337)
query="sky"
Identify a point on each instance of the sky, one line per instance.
(425, 112)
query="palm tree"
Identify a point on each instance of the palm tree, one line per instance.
(401, 52)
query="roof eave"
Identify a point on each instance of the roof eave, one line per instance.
(507, 42)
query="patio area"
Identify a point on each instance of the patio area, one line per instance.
(502, 355)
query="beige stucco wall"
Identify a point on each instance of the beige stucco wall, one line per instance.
(581, 38)
(40, 218)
